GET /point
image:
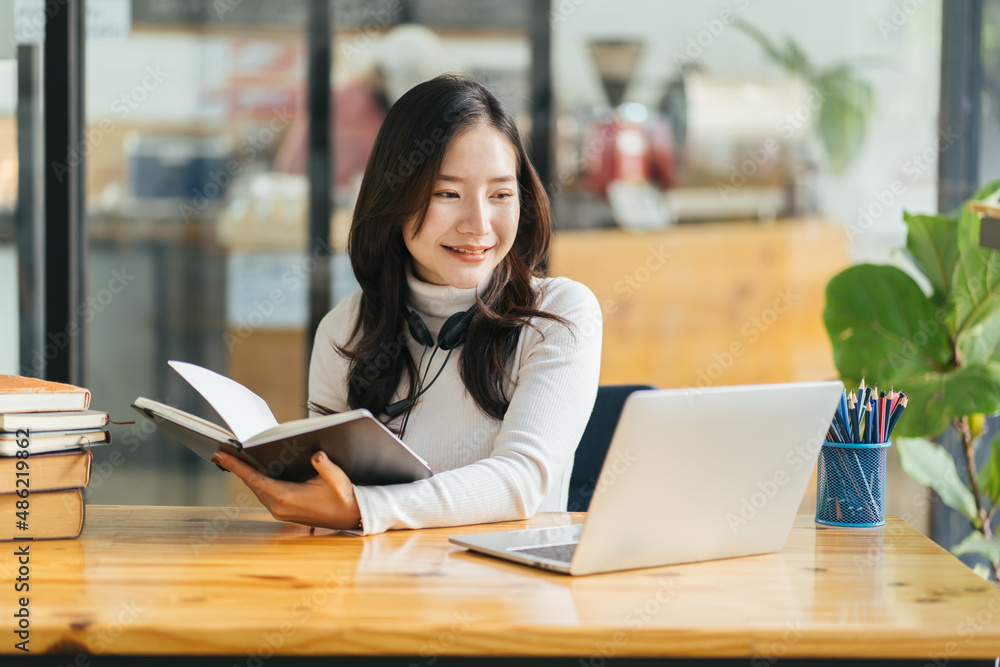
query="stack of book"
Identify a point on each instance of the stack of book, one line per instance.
(46, 431)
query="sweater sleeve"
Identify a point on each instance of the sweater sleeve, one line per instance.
(551, 403)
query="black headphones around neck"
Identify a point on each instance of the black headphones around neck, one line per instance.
(453, 333)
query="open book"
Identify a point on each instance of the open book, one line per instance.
(362, 446)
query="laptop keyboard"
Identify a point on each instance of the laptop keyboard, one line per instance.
(558, 552)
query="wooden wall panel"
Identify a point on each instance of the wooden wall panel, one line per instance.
(709, 304)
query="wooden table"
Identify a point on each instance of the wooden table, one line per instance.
(233, 584)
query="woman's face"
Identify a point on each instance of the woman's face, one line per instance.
(472, 217)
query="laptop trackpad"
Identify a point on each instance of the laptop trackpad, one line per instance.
(519, 540)
(561, 553)
(543, 537)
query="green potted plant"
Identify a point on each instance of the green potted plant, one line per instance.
(942, 349)
(845, 100)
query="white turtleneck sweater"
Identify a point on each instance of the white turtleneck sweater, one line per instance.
(484, 470)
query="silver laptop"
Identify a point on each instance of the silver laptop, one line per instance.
(691, 475)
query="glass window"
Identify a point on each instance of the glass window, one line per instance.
(9, 334)
(193, 234)
(716, 163)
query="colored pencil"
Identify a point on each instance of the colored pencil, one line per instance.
(854, 419)
(900, 406)
(868, 423)
(867, 416)
(881, 417)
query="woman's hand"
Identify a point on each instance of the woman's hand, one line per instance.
(326, 501)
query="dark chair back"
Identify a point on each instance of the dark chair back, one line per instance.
(594, 444)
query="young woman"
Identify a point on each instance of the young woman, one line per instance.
(451, 222)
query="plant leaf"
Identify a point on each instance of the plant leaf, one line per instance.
(968, 222)
(883, 327)
(843, 85)
(975, 287)
(930, 464)
(979, 344)
(795, 59)
(982, 570)
(937, 398)
(846, 103)
(930, 242)
(989, 474)
(757, 35)
(976, 543)
(842, 131)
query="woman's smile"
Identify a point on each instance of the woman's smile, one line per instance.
(464, 253)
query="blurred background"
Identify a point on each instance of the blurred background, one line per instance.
(711, 166)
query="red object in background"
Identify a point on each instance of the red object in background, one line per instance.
(357, 116)
(262, 80)
(661, 143)
(620, 150)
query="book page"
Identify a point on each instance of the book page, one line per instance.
(244, 412)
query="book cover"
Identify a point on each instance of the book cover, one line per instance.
(25, 394)
(50, 515)
(46, 472)
(74, 420)
(50, 441)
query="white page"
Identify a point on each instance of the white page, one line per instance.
(245, 412)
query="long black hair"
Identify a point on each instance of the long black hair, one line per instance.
(397, 185)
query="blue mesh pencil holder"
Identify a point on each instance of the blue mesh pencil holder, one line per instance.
(850, 484)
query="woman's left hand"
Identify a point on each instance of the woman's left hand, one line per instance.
(326, 501)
